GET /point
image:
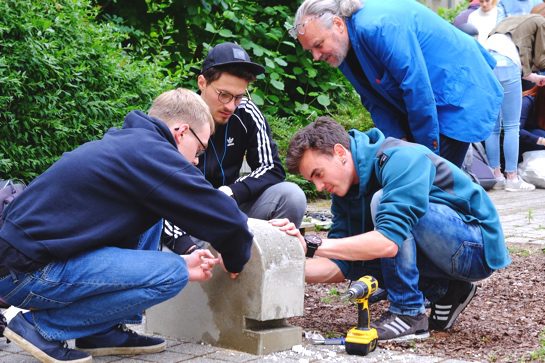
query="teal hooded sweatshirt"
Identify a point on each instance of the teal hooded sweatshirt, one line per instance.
(411, 177)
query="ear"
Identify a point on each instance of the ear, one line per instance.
(201, 82)
(338, 22)
(178, 130)
(340, 151)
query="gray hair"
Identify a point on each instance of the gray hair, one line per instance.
(184, 105)
(341, 8)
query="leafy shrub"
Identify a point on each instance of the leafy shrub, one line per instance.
(450, 14)
(64, 80)
(180, 33)
(351, 114)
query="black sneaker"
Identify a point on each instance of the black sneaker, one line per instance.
(395, 328)
(445, 311)
(120, 341)
(26, 336)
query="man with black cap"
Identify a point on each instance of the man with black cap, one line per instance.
(242, 132)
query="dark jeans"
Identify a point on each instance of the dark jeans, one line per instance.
(453, 150)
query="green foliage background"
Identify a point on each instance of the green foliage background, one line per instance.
(71, 69)
(180, 33)
(293, 91)
(450, 14)
(64, 79)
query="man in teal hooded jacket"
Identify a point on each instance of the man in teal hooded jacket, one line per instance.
(403, 214)
(420, 78)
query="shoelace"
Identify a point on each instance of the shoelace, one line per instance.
(124, 329)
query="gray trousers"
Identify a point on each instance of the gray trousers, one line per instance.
(282, 200)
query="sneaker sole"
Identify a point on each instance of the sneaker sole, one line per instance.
(461, 307)
(518, 190)
(98, 352)
(404, 338)
(37, 352)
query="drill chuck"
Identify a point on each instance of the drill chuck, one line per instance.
(361, 289)
(358, 290)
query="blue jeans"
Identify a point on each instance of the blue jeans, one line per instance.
(96, 290)
(441, 247)
(508, 73)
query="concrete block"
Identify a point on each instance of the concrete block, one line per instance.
(247, 314)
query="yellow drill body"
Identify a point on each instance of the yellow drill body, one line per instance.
(362, 339)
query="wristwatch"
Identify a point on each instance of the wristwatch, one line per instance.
(313, 242)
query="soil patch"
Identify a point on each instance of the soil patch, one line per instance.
(504, 322)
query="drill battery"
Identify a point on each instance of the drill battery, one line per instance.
(360, 342)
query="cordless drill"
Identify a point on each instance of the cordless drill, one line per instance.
(362, 339)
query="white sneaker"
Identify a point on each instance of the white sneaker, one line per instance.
(500, 183)
(518, 185)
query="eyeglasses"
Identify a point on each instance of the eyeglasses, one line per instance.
(201, 151)
(299, 29)
(226, 97)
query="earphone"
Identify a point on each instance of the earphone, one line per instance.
(220, 162)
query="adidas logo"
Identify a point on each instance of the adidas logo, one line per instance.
(442, 312)
(231, 141)
(398, 326)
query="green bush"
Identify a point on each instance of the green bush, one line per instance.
(64, 79)
(450, 14)
(350, 113)
(293, 91)
(180, 33)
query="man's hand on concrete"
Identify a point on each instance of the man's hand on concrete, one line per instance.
(200, 264)
(232, 275)
(290, 228)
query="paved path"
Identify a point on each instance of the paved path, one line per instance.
(522, 215)
(523, 218)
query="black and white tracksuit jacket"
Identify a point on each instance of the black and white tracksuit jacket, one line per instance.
(246, 135)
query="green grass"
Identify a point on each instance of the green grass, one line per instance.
(519, 251)
(530, 215)
(332, 295)
(332, 334)
(539, 354)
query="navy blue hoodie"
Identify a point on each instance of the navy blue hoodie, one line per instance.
(107, 192)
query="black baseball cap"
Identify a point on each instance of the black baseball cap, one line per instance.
(230, 53)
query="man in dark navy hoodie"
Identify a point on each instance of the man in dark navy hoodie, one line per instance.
(79, 248)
